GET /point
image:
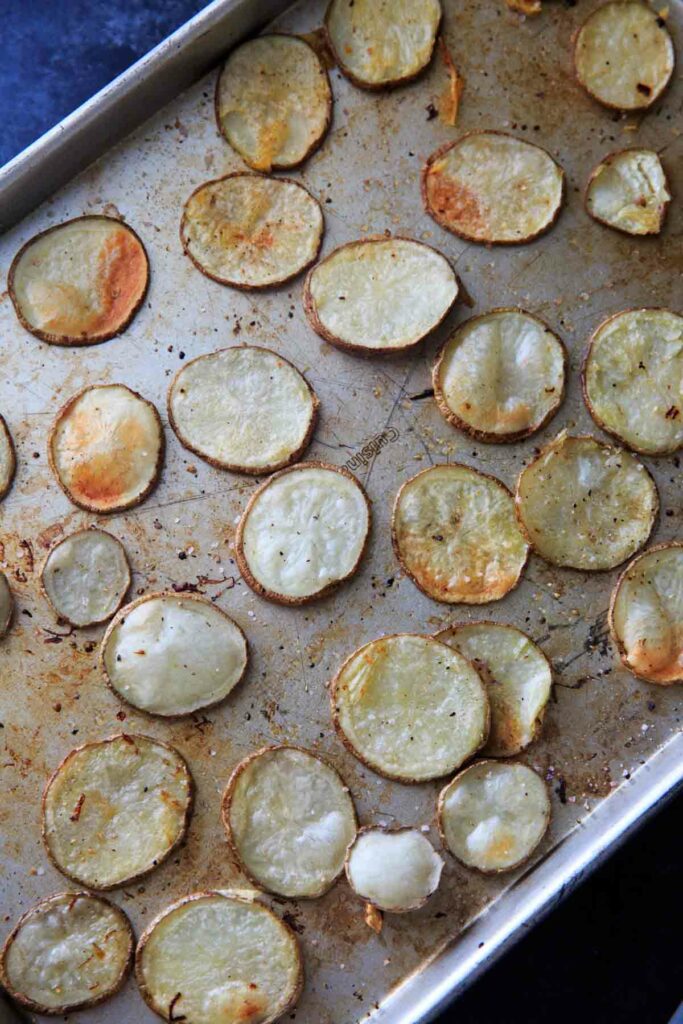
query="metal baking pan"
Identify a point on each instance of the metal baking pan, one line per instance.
(611, 749)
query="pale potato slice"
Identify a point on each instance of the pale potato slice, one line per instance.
(218, 958)
(500, 376)
(6, 605)
(491, 187)
(393, 869)
(410, 707)
(69, 952)
(629, 191)
(115, 809)
(172, 654)
(8, 458)
(455, 534)
(493, 815)
(633, 379)
(86, 576)
(80, 282)
(624, 56)
(273, 101)
(379, 43)
(106, 448)
(303, 532)
(584, 504)
(289, 819)
(518, 679)
(379, 294)
(245, 409)
(646, 614)
(250, 231)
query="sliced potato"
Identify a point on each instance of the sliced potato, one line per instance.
(6, 605)
(289, 819)
(491, 187)
(106, 448)
(8, 458)
(273, 101)
(646, 614)
(500, 376)
(245, 409)
(172, 654)
(69, 952)
(379, 294)
(518, 679)
(455, 534)
(218, 958)
(629, 191)
(86, 576)
(80, 282)
(493, 815)
(379, 43)
(393, 869)
(250, 231)
(633, 379)
(623, 55)
(116, 809)
(303, 532)
(410, 707)
(584, 504)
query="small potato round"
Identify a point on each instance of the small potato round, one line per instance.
(6, 605)
(393, 869)
(69, 952)
(410, 707)
(173, 654)
(86, 577)
(491, 187)
(379, 295)
(218, 958)
(80, 282)
(584, 504)
(628, 191)
(646, 615)
(8, 458)
(250, 231)
(116, 809)
(456, 536)
(245, 409)
(500, 376)
(633, 379)
(289, 819)
(106, 448)
(493, 815)
(623, 55)
(303, 532)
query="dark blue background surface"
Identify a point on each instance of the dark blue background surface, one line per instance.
(612, 954)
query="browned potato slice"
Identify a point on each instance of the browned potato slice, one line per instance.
(628, 191)
(394, 869)
(8, 459)
(86, 576)
(6, 605)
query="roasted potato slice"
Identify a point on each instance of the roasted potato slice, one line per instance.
(86, 577)
(6, 605)
(628, 191)
(394, 869)
(8, 459)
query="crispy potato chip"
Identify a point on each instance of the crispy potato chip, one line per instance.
(6, 605)
(8, 459)
(86, 576)
(393, 869)
(629, 191)
(524, 6)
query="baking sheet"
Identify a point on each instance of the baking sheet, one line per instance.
(602, 724)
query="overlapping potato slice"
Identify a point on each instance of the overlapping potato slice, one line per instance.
(518, 679)
(379, 294)
(69, 952)
(86, 576)
(8, 459)
(393, 869)
(633, 379)
(250, 231)
(380, 43)
(106, 448)
(6, 605)
(218, 958)
(500, 376)
(584, 504)
(491, 187)
(172, 654)
(289, 819)
(245, 409)
(493, 815)
(623, 55)
(410, 707)
(455, 534)
(273, 101)
(116, 809)
(80, 282)
(303, 532)
(629, 191)
(646, 614)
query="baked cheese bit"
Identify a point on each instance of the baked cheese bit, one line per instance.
(6, 605)
(86, 577)
(393, 869)
(629, 191)
(8, 459)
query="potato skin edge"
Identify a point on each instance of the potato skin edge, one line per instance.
(4, 429)
(57, 544)
(606, 162)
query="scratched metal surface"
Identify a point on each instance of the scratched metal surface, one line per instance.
(601, 724)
